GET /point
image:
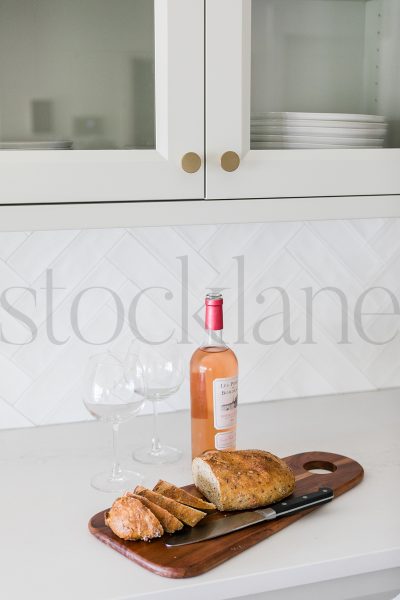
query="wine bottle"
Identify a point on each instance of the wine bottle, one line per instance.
(213, 386)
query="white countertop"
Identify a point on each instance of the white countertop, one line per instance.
(46, 550)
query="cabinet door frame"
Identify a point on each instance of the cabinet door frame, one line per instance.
(65, 176)
(271, 173)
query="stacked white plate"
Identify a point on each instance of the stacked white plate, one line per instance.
(57, 145)
(289, 130)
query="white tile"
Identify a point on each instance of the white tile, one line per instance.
(326, 314)
(10, 418)
(197, 235)
(336, 368)
(387, 242)
(69, 409)
(66, 373)
(389, 277)
(349, 246)
(69, 268)
(393, 379)
(228, 242)
(260, 251)
(265, 375)
(39, 251)
(35, 358)
(10, 241)
(263, 362)
(42, 380)
(281, 390)
(368, 228)
(266, 245)
(147, 321)
(9, 278)
(166, 245)
(13, 381)
(384, 327)
(319, 260)
(305, 380)
(147, 273)
(180, 400)
(13, 330)
(259, 294)
(381, 369)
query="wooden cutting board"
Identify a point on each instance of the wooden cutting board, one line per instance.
(195, 559)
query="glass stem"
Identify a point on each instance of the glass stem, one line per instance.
(116, 468)
(155, 440)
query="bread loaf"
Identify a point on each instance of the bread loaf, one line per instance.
(242, 479)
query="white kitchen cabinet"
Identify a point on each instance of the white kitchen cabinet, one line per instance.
(156, 98)
(307, 56)
(112, 93)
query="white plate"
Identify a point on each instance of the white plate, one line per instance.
(304, 139)
(341, 132)
(295, 145)
(60, 145)
(319, 116)
(311, 123)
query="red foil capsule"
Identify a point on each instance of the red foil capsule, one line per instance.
(214, 318)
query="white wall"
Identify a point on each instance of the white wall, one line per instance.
(40, 381)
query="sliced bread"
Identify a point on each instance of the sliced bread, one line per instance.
(167, 520)
(130, 519)
(172, 491)
(242, 479)
(186, 514)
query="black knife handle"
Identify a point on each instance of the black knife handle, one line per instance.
(296, 503)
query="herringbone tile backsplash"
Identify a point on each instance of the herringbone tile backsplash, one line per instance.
(305, 351)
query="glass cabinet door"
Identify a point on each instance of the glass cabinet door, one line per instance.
(97, 102)
(316, 108)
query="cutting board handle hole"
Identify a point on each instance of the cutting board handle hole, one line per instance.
(320, 467)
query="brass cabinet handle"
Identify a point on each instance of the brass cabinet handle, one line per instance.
(191, 162)
(230, 161)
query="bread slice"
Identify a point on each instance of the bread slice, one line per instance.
(167, 520)
(130, 519)
(189, 516)
(171, 491)
(242, 479)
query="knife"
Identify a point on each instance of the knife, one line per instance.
(228, 524)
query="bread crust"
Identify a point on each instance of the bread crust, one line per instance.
(168, 521)
(130, 519)
(169, 490)
(189, 516)
(242, 479)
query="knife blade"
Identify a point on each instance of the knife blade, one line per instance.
(215, 528)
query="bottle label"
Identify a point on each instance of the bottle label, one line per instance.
(225, 392)
(225, 440)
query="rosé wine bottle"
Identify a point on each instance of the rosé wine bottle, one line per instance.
(213, 386)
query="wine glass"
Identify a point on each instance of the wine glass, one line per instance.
(163, 376)
(111, 393)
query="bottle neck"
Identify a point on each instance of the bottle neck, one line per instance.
(214, 338)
